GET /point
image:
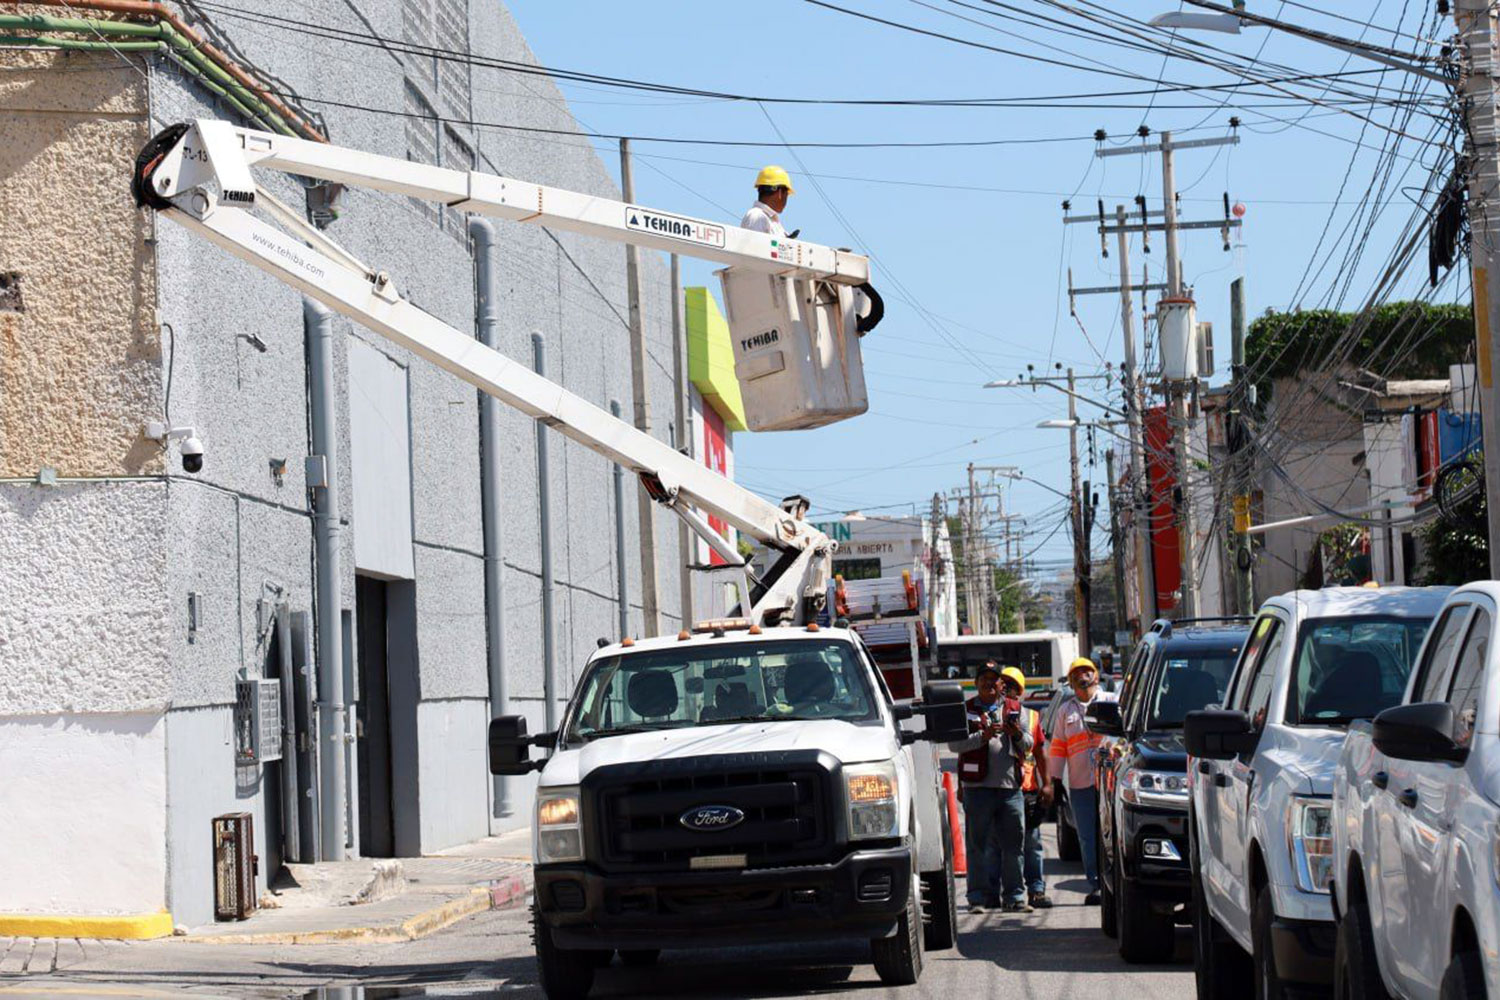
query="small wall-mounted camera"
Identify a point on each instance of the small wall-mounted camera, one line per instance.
(191, 446)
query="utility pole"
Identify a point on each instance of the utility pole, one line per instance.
(1140, 488)
(1240, 456)
(1477, 29)
(1114, 545)
(686, 544)
(1080, 536)
(1176, 333)
(934, 561)
(971, 560)
(650, 605)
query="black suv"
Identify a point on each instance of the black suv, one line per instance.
(1178, 667)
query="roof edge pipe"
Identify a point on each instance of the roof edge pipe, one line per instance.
(487, 330)
(322, 482)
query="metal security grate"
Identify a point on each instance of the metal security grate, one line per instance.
(257, 721)
(234, 866)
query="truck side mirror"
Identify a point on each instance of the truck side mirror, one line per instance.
(1219, 735)
(943, 709)
(1103, 718)
(1420, 732)
(510, 747)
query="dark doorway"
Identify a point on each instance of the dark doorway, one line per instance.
(373, 716)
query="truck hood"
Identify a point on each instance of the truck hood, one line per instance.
(1161, 750)
(1312, 753)
(850, 743)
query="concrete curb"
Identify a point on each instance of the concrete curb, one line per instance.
(507, 892)
(132, 927)
(419, 926)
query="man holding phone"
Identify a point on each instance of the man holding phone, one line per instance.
(989, 769)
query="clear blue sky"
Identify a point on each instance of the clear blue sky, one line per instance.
(969, 247)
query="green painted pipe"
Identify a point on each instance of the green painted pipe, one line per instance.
(184, 52)
(81, 45)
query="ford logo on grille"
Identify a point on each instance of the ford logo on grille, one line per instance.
(712, 818)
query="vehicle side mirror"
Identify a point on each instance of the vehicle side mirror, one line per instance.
(903, 709)
(943, 709)
(1420, 732)
(510, 747)
(1103, 718)
(1218, 735)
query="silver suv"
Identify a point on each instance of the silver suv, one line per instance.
(1261, 776)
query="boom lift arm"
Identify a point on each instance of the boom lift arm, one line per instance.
(198, 175)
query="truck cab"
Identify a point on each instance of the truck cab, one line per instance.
(735, 785)
(1261, 777)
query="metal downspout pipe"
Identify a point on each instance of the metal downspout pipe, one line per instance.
(544, 515)
(322, 468)
(487, 323)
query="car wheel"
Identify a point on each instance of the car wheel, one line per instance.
(1146, 935)
(1221, 969)
(1356, 976)
(640, 958)
(940, 903)
(1267, 982)
(898, 958)
(1464, 978)
(1109, 917)
(565, 974)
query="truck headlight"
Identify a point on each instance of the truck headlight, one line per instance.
(1153, 788)
(1310, 826)
(559, 835)
(870, 791)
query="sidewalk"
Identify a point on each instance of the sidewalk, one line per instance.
(404, 898)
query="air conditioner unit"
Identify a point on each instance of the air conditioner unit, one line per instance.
(234, 866)
(257, 721)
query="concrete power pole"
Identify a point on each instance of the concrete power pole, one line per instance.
(1477, 29)
(640, 399)
(686, 543)
(1140, 488)
(934, 561)
(1240, 460)
(1077, 505)
(1115, 545)
(972, 557)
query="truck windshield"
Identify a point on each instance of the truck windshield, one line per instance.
(1351, 668)
(1187, 682)
(723, 683)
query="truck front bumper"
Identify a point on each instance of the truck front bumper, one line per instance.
(1304, 950)
(862, 895)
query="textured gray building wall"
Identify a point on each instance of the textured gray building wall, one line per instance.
(238, 534)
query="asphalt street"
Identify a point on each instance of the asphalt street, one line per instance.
(1047, 955)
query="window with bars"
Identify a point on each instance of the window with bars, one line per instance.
(438, 97)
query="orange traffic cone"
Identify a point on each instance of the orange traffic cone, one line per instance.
(960, 856)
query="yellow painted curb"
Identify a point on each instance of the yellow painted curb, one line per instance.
(136, 927)
(419, 926)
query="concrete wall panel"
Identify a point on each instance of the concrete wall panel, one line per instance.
(79, 363)
(200, 786)
(454, 771)
(451, 635)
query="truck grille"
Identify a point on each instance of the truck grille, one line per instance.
(785, 798)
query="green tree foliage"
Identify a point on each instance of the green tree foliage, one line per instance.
(1398, 340)
(1457, 551)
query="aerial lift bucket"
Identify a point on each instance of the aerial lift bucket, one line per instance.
(796, 349)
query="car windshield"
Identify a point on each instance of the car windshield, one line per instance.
(1352, 668)
(721, 683)
(1188, 681)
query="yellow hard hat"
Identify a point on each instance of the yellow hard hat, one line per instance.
(1014, 674)
(774, 177)
(1080, 663)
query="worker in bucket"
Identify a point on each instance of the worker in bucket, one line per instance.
(774, 186)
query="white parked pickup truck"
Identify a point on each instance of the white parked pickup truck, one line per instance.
(1261, 774)
(1416, 822)
(736, 786)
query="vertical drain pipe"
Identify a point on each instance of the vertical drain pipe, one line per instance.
(487, 320)
(544, 515)
(622, 576)
(322, 469)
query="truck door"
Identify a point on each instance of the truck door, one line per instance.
(1425, 799)
(1235, 780)
(1391, 910)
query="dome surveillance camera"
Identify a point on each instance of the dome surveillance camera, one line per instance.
(192, 454)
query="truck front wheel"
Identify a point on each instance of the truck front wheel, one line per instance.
(940, 902)
(898, 958)
(565, 974)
